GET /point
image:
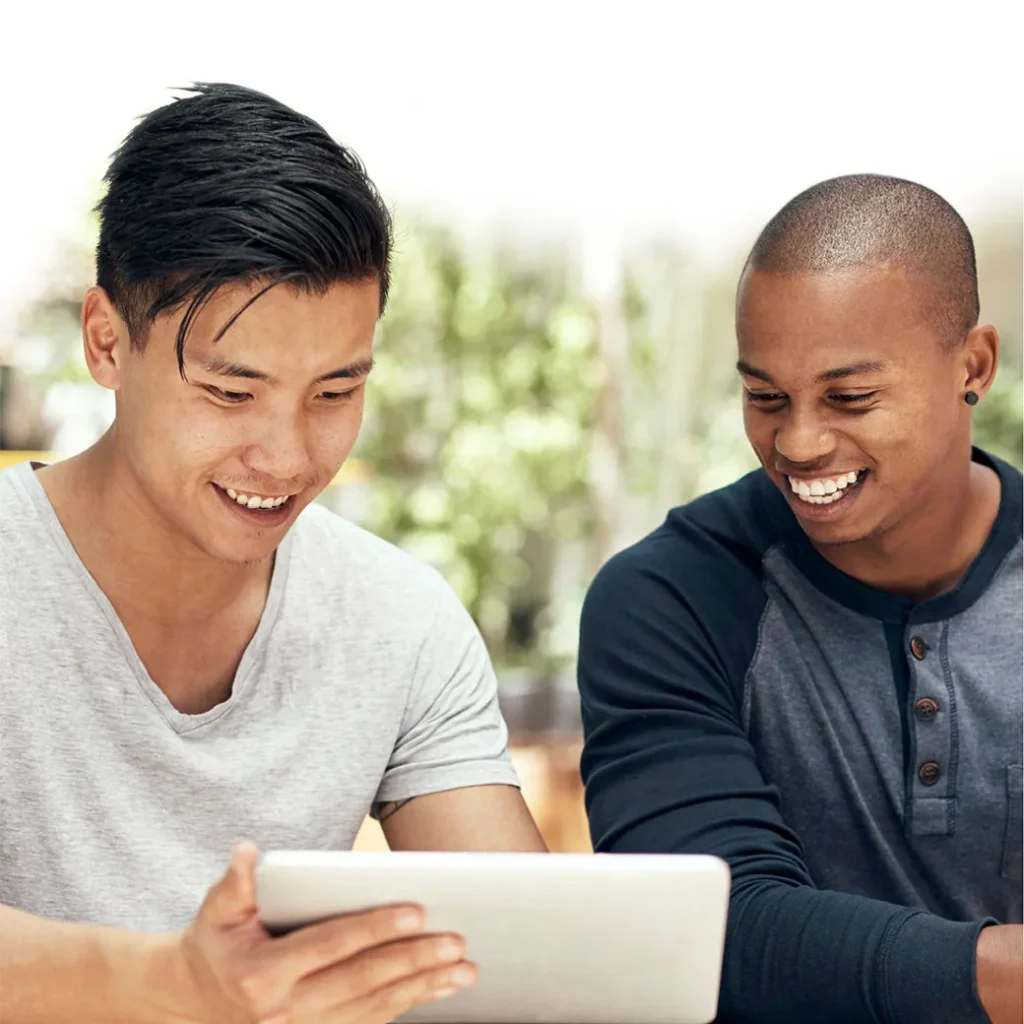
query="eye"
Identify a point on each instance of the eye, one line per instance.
(337, 397)
(764, 397)
(849, 399)
(231, 397)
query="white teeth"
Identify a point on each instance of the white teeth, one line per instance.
(824, 491)
(253, 500)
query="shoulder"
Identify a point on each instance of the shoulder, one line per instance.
(712, 545)
(687, 600)
(348, 563)
(18, 512)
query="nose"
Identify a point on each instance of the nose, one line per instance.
(282, 453)
(803, 438)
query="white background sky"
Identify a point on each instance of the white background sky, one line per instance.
(696, 119)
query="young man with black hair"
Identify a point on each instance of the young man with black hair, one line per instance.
(815, 673)
(193, 653)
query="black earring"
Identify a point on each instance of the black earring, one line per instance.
(971, 398)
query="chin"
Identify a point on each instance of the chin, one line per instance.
(237, 547)
(238, 552)
(834, 535)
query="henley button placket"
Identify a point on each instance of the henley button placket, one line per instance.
(930, 786)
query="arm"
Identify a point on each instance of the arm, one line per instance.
(668, 768)
(478, 818)
(450, 784)
(373, 965)
(51, 973)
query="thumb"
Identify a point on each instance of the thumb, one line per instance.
(233, 899)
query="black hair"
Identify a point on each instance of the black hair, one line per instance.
(870, 220)
(227, 185)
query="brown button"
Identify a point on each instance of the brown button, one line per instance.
(926, 709)
(918, 647)
(929, 773)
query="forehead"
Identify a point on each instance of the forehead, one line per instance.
(870, 314)
(286, 327)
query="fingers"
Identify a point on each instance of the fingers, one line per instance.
(373, 959)
(320, 945)
(399, 997)
(233, 899)
(433, 959)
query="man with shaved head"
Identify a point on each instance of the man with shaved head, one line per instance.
(815, 673)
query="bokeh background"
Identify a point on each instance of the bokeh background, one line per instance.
(575, 187)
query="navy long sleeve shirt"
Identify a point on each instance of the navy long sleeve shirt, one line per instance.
(855, 757)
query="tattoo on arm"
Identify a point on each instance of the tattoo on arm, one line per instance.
(384, 811)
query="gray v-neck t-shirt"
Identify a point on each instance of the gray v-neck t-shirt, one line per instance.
(365, 681)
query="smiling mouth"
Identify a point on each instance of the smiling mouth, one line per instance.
(255, 502)
(826, 490)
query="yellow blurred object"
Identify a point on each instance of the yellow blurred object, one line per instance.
(14, 458)
(353, 471)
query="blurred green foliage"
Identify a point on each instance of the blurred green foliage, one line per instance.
(999, 418)
(483, 413)
(478, 425)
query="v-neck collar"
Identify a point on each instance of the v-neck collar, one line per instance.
(25, 476)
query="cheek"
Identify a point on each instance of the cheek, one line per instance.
(187, 435)
(758, 428)
(333, 433)
(906, 429)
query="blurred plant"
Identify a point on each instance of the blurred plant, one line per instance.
(999, 418)
(478, 427)
(482, 413)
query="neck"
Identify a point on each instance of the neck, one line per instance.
(928, 553)
(132, 551)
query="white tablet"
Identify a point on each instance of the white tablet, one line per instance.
(557, 938)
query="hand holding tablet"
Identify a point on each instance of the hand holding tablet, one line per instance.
(555, 939)
(362, 968)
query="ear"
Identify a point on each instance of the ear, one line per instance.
(105, 338)
(980, 359)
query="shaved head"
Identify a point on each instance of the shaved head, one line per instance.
(872, 221)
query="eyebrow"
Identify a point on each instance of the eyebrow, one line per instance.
(838, 373)
(225, 368)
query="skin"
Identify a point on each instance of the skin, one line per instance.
(141, 506)
(924, 509)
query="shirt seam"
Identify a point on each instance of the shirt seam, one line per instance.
(954, 741)
(745, 703)
(488, 773)
(884, 956)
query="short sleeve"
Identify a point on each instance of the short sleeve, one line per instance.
(453, 734)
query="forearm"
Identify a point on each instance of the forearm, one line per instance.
(798, 953)
(52, 972)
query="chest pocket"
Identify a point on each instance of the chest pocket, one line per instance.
(1013, 846)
